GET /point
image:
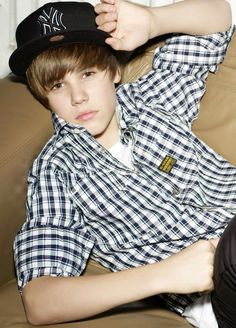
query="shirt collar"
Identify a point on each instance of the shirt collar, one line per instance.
(127, 124)
(60, 124)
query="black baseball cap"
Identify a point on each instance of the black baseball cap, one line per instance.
(52, 25)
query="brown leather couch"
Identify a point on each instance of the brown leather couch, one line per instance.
(25, 127)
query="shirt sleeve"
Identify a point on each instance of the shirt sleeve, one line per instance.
(53, 241)
(180, 68)
(194, 55)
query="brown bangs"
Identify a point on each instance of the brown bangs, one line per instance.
(53, 64)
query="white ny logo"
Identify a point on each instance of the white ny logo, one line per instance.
(51, 22)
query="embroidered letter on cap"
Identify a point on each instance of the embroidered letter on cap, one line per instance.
(51, 22)
(167, 164)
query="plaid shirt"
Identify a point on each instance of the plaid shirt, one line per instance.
(83, 203)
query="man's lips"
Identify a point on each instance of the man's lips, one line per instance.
(86, 115)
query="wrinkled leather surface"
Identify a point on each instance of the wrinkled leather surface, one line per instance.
(24, 128)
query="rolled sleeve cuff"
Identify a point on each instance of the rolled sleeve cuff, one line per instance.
(50, 251)
(193, 54)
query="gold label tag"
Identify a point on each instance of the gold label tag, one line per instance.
(167, 164)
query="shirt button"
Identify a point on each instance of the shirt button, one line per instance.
(167, 53)
(199, 156)
(175, 191)
(204, 207)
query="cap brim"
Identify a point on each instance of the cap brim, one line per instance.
(22, 58)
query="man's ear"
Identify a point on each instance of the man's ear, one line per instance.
(117, 76)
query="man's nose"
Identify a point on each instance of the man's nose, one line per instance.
(78, 95)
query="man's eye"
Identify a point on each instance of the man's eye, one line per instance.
(88, 74)
(57, 85)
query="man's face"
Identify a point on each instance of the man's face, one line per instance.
(88, 98)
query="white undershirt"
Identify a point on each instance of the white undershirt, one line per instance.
(122, 153)
(200, 314)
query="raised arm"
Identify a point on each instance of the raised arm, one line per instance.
(59, 299)
(131, 25)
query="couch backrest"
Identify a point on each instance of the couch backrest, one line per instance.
(216, 124)
(24, 128)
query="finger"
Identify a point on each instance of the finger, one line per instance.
(119, 44)
(209, 289)
(103, 19)
(215, 242)
(211, 286)
(104, 8)
(115, 43)
(108, 27)
(112, 2)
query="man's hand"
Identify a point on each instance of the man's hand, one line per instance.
(127, 23)
(191, 270)
(131, 25)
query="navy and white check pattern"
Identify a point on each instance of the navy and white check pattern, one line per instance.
(83, 203)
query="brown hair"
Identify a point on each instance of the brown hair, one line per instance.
(52, 65)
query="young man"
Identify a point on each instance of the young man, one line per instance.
(123, 180)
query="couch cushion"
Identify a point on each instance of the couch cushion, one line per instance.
(216, 124)
(25, 126)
